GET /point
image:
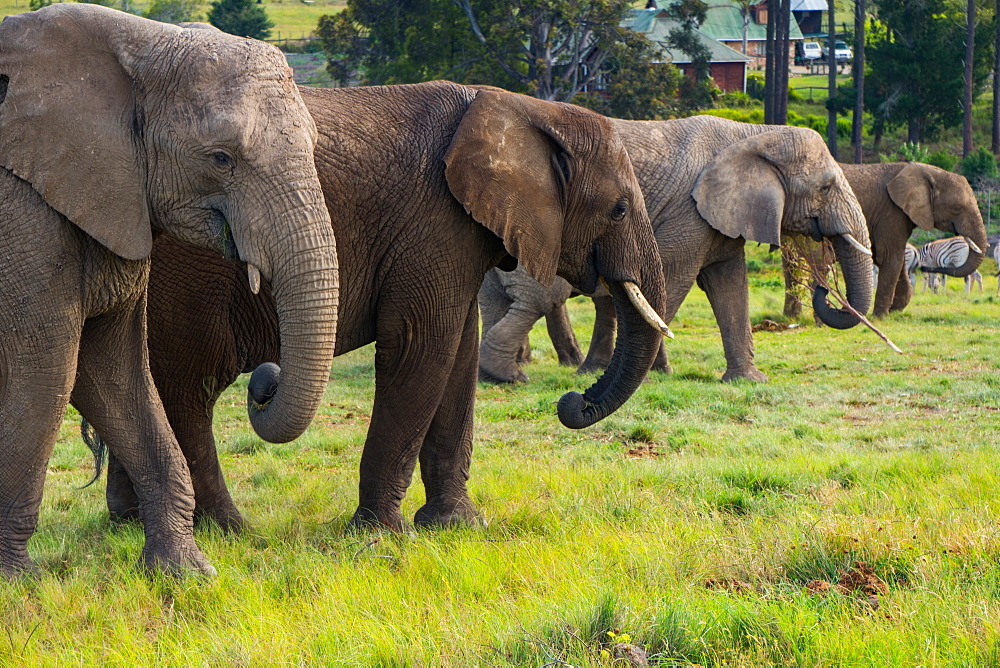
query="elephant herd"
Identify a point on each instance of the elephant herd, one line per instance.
(176, 212)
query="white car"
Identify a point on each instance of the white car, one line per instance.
(807, 51)
(841, 52)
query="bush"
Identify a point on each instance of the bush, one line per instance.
(734, 99)
(942, 159)
(755, 85)
(913, 152)
(740, 115)
(980, 163)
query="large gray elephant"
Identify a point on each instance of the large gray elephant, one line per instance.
(711, 185)
(428, 186)
(113, 130)
(898, 197)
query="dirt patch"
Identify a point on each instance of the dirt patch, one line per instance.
(860, 581)
(727, 584)
(772, 326)
(644, 450)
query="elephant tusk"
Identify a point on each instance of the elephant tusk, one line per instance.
(253, 273)
(858, 246)
(973, 246)
(645, 310)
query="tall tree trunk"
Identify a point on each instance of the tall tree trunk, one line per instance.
(769, 83)
(781, 62)
(970, 42)
(831, 117)
(996, 83)
(860, 11)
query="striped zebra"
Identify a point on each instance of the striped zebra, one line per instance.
(911, 261)
(943, 254)
(996, 256)
(972, 279)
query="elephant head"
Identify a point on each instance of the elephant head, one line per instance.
(784, 181)
(935, 199)
(128, 127)
(554, 183)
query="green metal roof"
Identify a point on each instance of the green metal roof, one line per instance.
(722, 22)
(656, 26)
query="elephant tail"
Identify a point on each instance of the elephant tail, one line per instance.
(97, 446)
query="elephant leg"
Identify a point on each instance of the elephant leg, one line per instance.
(499, 350)
(524, 351)
(115, 393)
(890, 273)
(35, 384)
(602, 341)
(447, 449)
(563, 339)
(904, 291)
(725, 283)
(414, 356)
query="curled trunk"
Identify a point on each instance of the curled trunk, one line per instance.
(635, 350)
(971, 263)
(857, 269)
(304, 283)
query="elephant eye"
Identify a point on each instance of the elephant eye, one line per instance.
(222, 159)
(619, 210)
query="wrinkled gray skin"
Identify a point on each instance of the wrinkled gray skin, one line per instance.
(711, 185)
(428, 187)
(115, 129)
(898, 197)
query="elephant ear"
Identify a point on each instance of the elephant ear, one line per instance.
(740, 192)
(911, 190)
(509, 168)
(68, 121)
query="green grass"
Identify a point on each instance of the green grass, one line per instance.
(293, 19)
(850, 452)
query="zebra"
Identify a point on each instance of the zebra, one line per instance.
(972, 279)
(943, 254)
(996, 256)
(911, 261)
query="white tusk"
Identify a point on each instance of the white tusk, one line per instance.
(644, 309)
(973, 246)
(857, 244)
(253, 273)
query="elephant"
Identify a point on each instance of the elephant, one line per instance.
(428, 186)
(711, 185)
(116, 131)
(898, 197)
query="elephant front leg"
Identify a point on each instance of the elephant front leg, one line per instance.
(414, 355)
(447, 449)
(115, 392)
(890, 273)
(904, 291)
(602, 341)
(35, 383)
(498, 354)
(560, 331)
(725, 283)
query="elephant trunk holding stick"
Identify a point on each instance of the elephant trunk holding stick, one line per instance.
(428, 187)
(898, 197)
(114, 128)
(711, 185)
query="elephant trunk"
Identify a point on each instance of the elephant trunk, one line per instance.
(857, 269)
(281, 402)
(635, 350)
(976, 254)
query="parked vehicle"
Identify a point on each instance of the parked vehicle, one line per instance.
(841, 52)
(806, 52)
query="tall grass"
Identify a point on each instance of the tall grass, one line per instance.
(850, 453)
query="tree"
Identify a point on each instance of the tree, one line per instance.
(776, 62)
(968, 83)
(916, 52)
(552, 49)
(858, 70)
(831, 118)
(697, 92)
(996, 78)
(244, 18)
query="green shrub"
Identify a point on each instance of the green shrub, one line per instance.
(979, 163)
(734, 99)
(740, 115)
(755, 85)
(913, 152)
(942, 159)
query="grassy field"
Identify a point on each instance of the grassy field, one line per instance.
(293, 19)
(690, 521)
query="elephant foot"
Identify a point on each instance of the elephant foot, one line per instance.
(19, 567)
(570, 359)
(662, 367)
(592, 366)
(127, 515)
(177, 558)
(500, 377)
(226, 516)
(452, 513)
(751, 373)
(367, 519)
